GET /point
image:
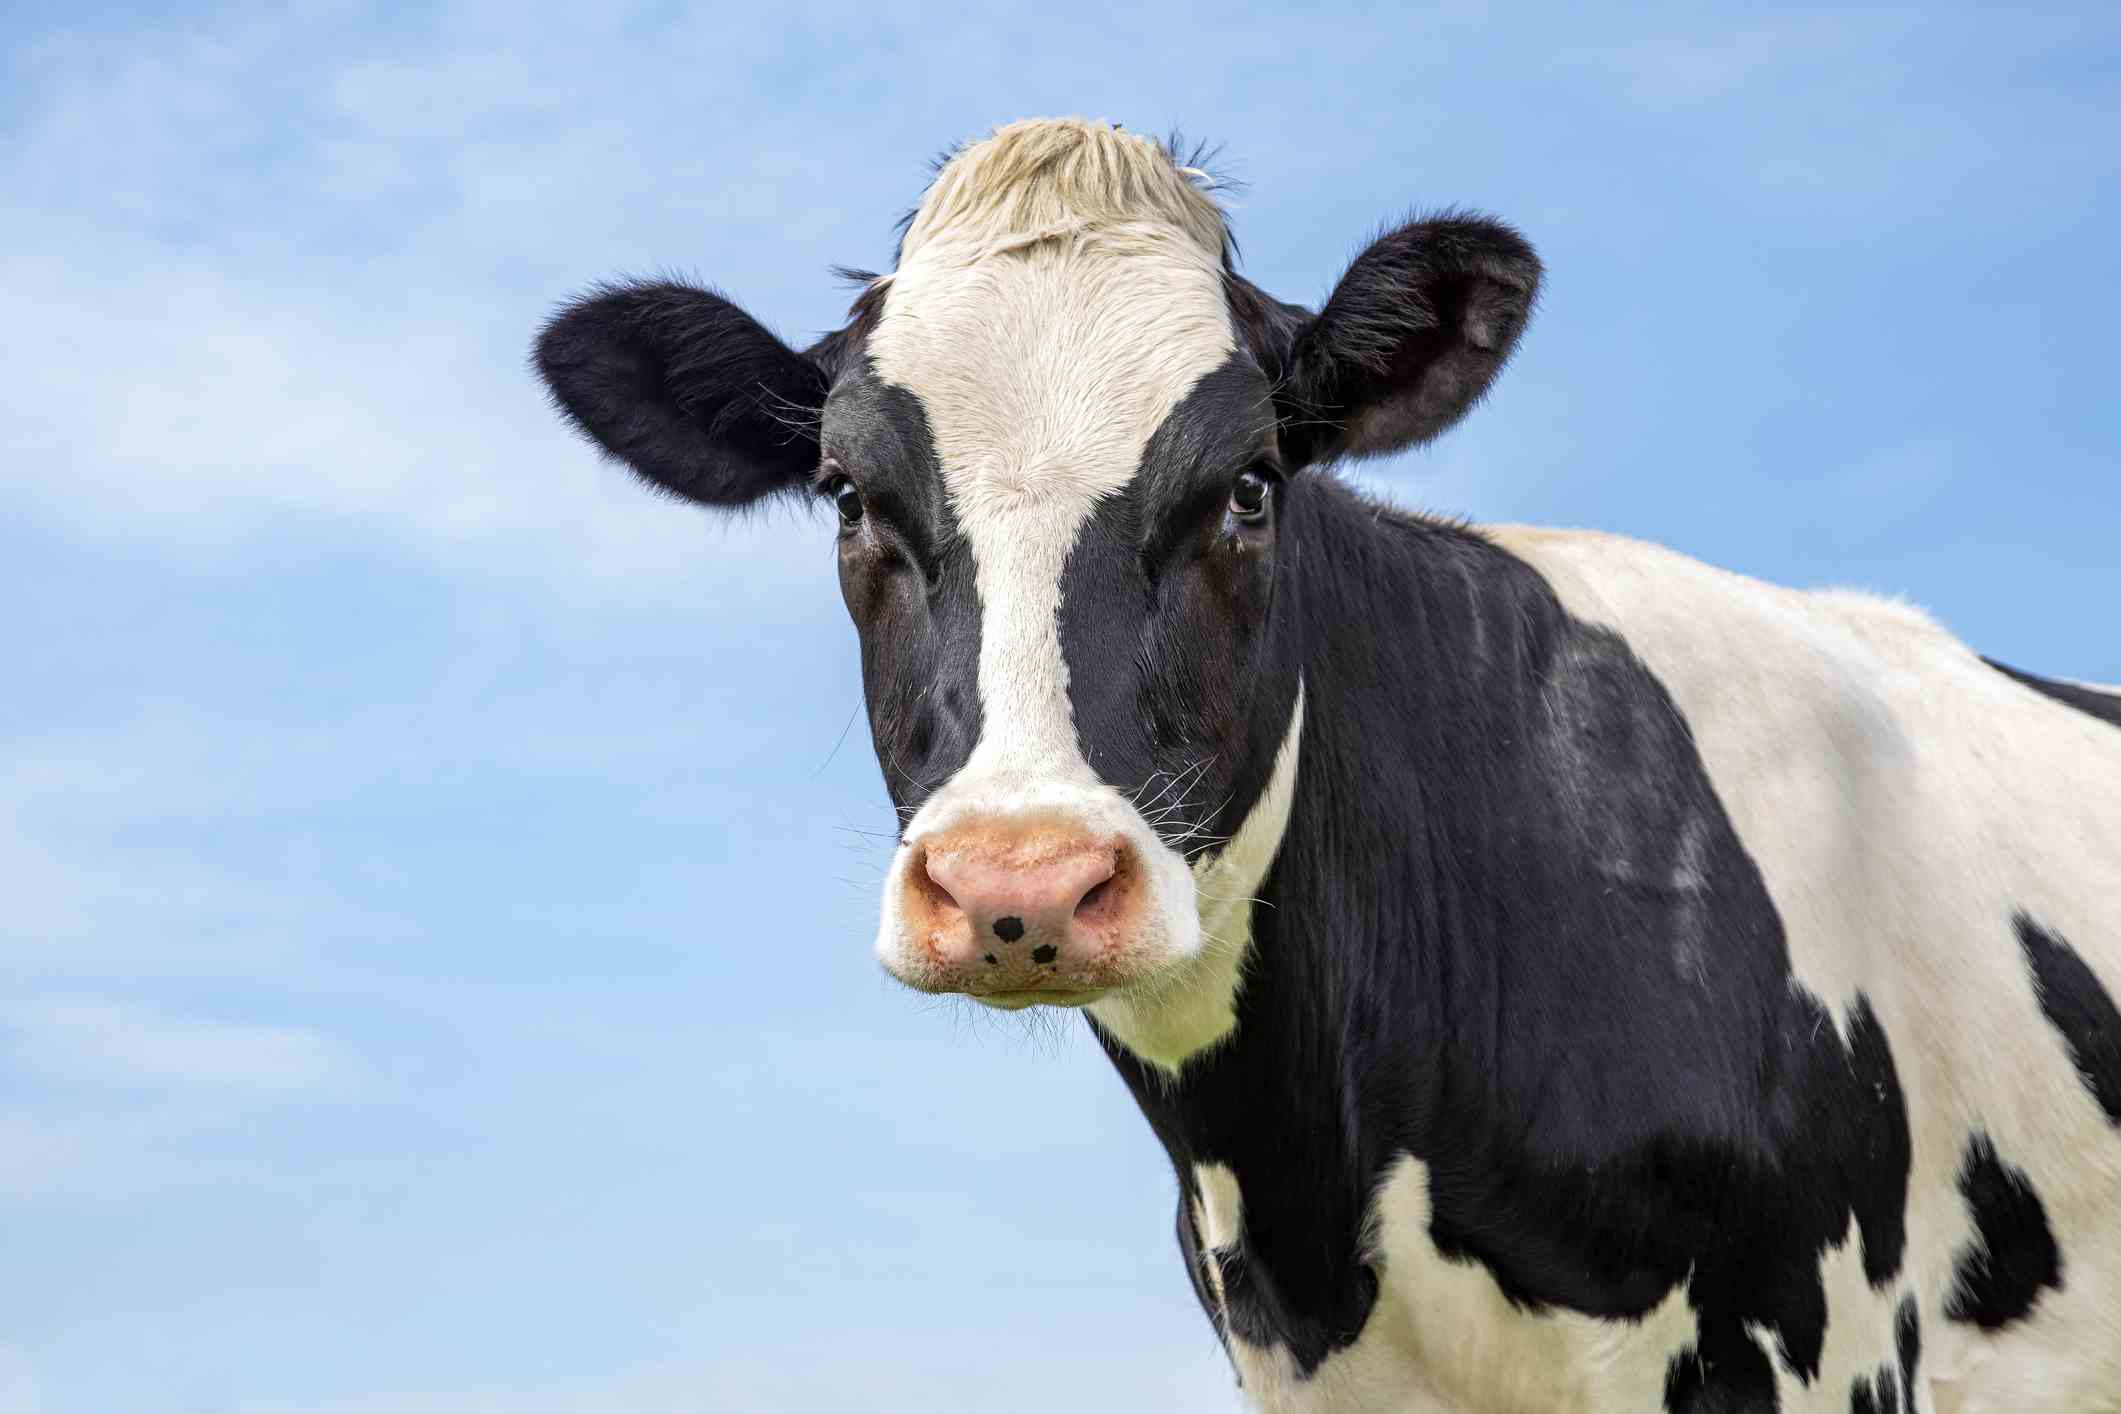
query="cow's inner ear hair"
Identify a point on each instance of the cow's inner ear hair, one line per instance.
(1411, 338)
(685, 388)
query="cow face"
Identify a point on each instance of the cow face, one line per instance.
(1062, 443)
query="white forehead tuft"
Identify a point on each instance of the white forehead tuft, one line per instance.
(1047, 178)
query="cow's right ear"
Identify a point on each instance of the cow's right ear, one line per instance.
(690, 391)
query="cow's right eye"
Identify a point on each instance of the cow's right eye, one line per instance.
(846, 498)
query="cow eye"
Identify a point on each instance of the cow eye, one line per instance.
(846, 499)
(1248, 495)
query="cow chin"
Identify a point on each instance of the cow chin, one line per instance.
(1022, 893)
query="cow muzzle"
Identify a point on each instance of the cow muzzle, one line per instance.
(1019, 910)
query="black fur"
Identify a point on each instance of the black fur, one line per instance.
(2078, 1006)
(1907, 1341)
(1409, 341)
(1727, 1373)
(1998, 1279)
(2106, 706)
(908, 584)
(687, 389)
(1167, 621)
(1891, 1388)
(1876, 1394)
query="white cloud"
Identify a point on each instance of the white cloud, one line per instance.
(126, 1045)
(125, 1099)
(308, 312)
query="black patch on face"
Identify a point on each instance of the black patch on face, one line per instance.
(1044, 953)
(1008, 929)
(907, 578)
(2078, 1005)
(992, 961)
(1181, 677)
(1999, 1279)
(1512, 933)
(2106, 706)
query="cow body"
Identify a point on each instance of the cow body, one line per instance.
(1564, 977)
(1687, 1028)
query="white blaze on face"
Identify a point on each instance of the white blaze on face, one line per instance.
(1058, 293)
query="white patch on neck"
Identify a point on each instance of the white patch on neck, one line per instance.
(1192, 1007)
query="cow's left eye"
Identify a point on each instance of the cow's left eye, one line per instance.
(1248, 495)
(846, 499)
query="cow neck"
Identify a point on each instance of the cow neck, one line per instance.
(1418, 642)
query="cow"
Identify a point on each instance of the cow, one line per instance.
(1564, 976)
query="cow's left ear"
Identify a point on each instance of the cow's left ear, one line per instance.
(1410, 339)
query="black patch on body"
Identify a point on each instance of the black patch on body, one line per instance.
(1512, 932)
(1876, 1394)
(1907, 1342)
(2106, 706)
(1998, 1279)
(1891, 1388)
(1727, 1373)
(2077, 1005)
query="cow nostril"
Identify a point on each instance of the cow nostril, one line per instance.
(1097, 899)
(939, 897)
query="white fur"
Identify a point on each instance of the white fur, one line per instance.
(1058, 293)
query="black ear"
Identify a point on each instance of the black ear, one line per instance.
(1410, 340)
(688, 390)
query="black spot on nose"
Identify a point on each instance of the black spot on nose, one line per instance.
(991, 960)
(1044, 952)
(1008, 929)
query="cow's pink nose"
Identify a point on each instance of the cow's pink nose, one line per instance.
(1013, 899)
(1007, 910)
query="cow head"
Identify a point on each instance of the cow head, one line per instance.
(1063, 442)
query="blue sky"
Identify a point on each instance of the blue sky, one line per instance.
(434, 974)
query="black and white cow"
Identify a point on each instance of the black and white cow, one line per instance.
(1564, 976)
